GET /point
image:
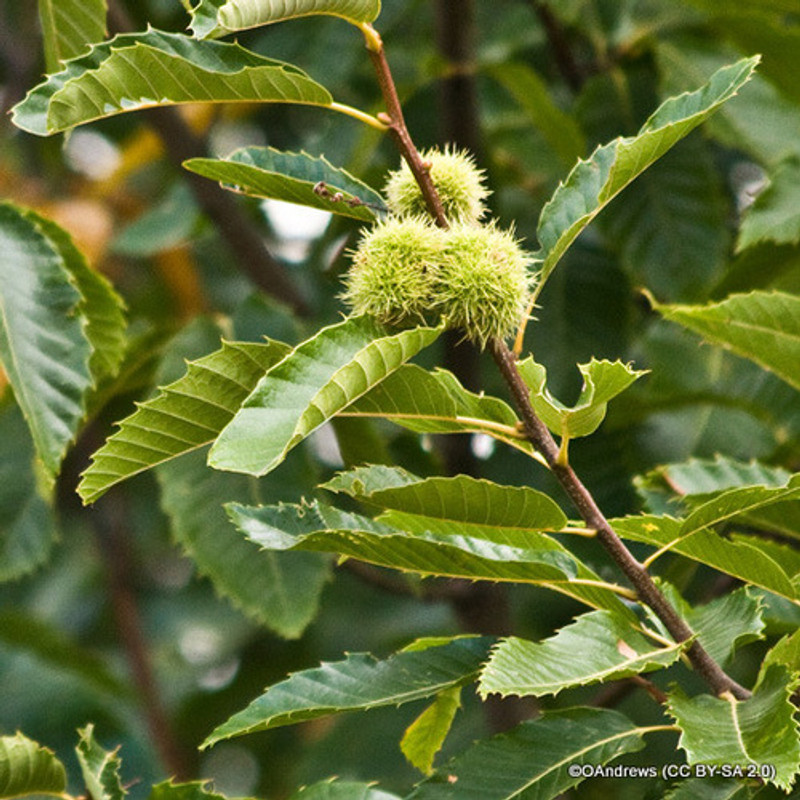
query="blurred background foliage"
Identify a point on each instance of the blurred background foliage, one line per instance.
(102, 615)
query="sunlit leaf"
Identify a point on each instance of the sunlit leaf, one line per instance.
(134, 71)
(218, 17)
(359, 682)
(609, 647)
(734, 558)
(184, 416)
(745, 733)
(593, 183)
(69, 27)
(459, 499)
(435, 402)
(424, 737)
(422, 546)
(28, 769)
(342, 790)
(534, 759)
(761, 326)
(293, 178)
(317, 380)
(602, 381)
(43, 343)
(100, 767)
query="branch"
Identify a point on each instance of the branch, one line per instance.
(562, 54)
(541, 438)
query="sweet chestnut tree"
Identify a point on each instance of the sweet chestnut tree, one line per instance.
(568, 577)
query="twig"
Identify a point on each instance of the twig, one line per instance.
(562, 54)
(647, 591)
(114, 551)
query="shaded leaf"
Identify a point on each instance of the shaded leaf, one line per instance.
(602, 381)
(758, 731)
(100, 767)
(460, 499)
(134, 71)
(421, 547)
(533, 760)
(593, 183)
(25, 633)
(27, 521)
(435, 402)
(424, 737)
(183, 416)
(43, 342)
(313, 383)
(219, 17)
(559, 129)
(28, 769)
(69, 26)
(359, 682)
(761, 326)
(773, 216)
(709, 790)
(734, 558)
(291, 177)
(279, 590)
(609, 647)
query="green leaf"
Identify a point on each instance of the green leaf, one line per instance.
(292, 177)
(593, 183)
(424, 737)
(709, 790)
(194, 790)
(435, 402)
(69, 26)
(100, 767)
(559, 129)
(359, 682)
(342, 790)
(279, 590)
(670, 227)
(602, 381)
(734, 558)
(726, 623)
(101, 307)
(28, 769)
(459, 499)
(786, 653)
(609, 647)
(754, 732)
(27, 521)
(155, 68)
(773, 216)
(761, 326)
(43, 343)
(426, 548)
(534, 759)
(219, 17)
(334, 789)
(313, 383)
(184, 416)
(37, 639)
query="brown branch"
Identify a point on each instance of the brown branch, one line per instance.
(640, 579)
(562, 53)
(114, 551)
